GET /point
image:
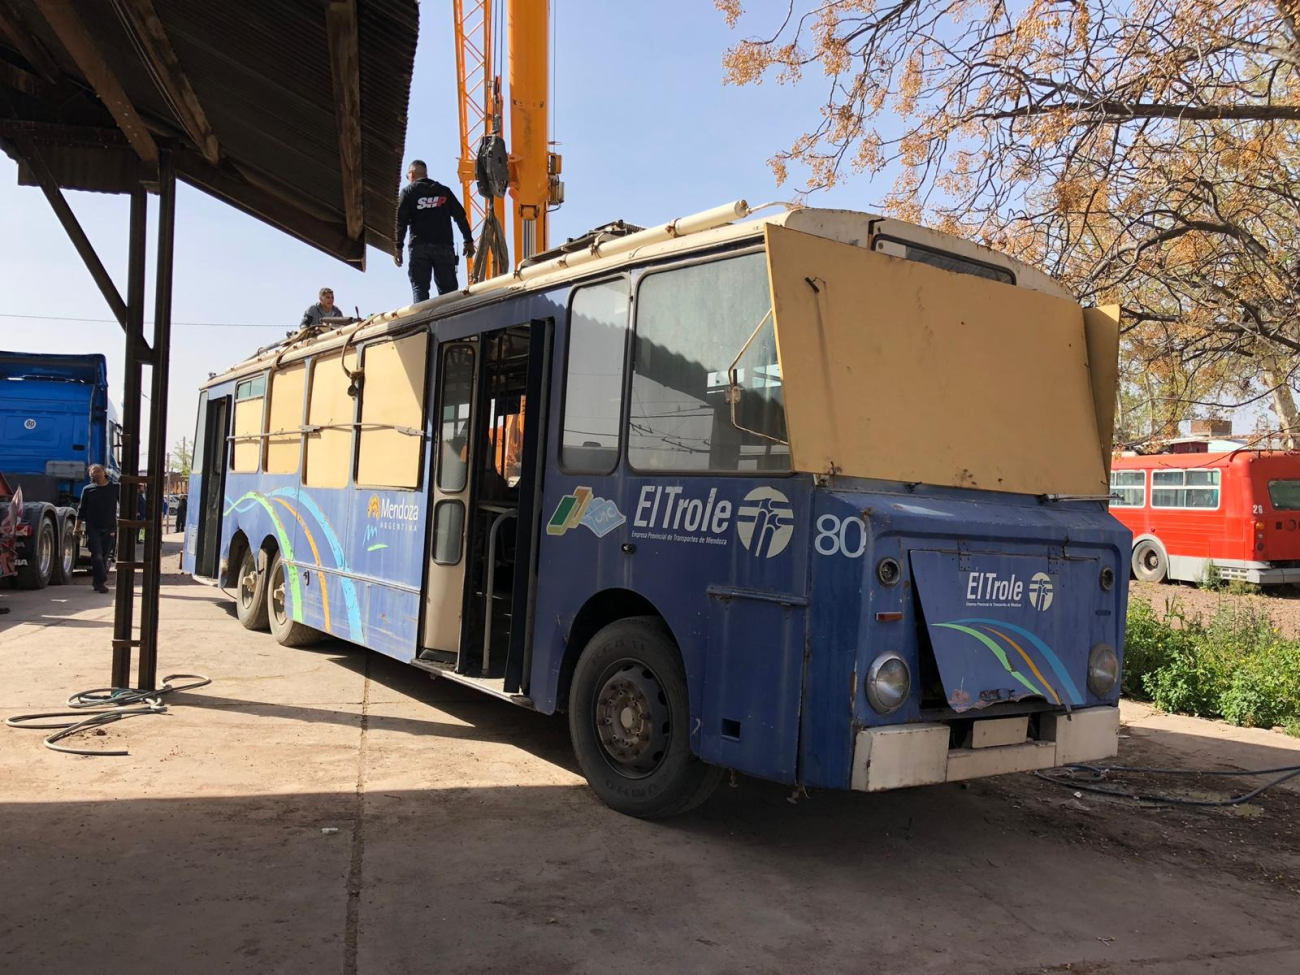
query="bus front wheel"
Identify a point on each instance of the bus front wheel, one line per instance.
(629, 719)
(250, 592)
(1149, 563)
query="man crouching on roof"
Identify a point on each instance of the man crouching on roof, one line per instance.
(324, 308)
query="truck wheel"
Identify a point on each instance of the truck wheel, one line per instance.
(38, 571)
(67, 561)
(1149, 563)
(250, 593)
(287, 631)
(629, 720)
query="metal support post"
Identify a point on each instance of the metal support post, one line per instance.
(124, 608)
(162, 313)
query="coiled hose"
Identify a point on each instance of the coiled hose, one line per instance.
(106, 704)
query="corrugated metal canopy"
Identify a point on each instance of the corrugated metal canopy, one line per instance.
(293, 111)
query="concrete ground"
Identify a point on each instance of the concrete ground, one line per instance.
(330, 810)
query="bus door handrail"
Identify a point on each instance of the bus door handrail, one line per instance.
(489, 584)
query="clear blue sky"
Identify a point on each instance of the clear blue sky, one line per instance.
(648, 132)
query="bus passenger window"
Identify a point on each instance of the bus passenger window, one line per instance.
(330, 412)
(284, 425)
(392, 412)
(593, 384)
(691, 325)
(1130, 488)
(1185, 489)
(457, 385)
(250, 395)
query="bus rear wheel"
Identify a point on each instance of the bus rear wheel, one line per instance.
(1149, 563)
(629, 719)
(250, 592)
(287, 631)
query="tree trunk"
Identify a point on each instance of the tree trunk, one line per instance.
(1284, 404)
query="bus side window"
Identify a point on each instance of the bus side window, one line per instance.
(593, 382)
(250, 398)
(692, 323)
(1128, 489)
(284, 422)
(330, 412)
(453, 433)
(391, 435)
(1185, 489)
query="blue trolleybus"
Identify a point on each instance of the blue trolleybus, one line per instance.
(819, 497)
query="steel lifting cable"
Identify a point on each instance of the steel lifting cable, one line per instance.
(1098, 773)
(492, 241)
(107, 705)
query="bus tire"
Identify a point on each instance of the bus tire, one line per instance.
(250, 592)
(629, 720)
(67, 555)
(41, 557)
(1149, 561)
(287, 631)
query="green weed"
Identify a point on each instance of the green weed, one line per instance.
(1236, 666)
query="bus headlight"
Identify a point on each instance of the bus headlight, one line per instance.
(889, 681)
(1103, 669)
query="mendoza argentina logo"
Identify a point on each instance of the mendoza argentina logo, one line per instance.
(396, 515)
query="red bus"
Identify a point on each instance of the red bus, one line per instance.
(1198, 516)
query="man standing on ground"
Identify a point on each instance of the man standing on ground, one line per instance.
(428, 208)
(98, 512)
(324, 308)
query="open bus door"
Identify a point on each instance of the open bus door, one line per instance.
(444, 591)
(490, 394)
(211, 466)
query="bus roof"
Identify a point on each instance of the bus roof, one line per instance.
(710, 229)
(1186, 461)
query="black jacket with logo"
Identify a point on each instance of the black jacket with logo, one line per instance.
(428, 208)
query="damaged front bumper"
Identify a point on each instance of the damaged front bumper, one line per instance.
(919, 754)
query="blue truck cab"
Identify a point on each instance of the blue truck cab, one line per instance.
(56, 421)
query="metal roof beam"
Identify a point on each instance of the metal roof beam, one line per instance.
(327, 236)
(21, 80)
(345, 70)
(26, 43)
(72, 226)
(72, 34)
(156, 50)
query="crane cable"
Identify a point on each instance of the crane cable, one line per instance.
(492, 241)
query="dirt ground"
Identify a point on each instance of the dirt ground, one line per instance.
(1281, 603)
(330, 810)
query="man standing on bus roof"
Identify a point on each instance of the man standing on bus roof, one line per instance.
(98, 512)
(428, 208)
(324, 308)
